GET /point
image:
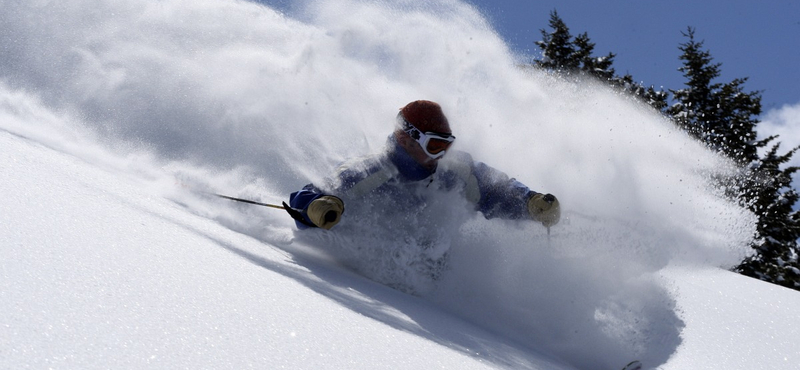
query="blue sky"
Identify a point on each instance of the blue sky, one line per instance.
(755, 39)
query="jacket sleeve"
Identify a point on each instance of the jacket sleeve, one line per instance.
(301, 199)
(492, 191)
(500, 196)
(341, 184)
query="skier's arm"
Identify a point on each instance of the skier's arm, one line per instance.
(506, 197)
(316, 204)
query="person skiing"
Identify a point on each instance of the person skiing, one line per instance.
(414, 159)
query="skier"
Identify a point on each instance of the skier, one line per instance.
(412, 160)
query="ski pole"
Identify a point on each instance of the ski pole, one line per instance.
(549, 198)
(251, 202)
(294, 212)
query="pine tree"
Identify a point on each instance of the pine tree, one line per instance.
(692, 103)
(558, 51)
(772, 198)
(720, 115)
(567, 55)
(655, 98)
(724, 117)
(573, 56)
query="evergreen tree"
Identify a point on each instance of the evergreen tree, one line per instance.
(655, 98)
(725, 117)
(720, 115)
(772, 198)
(692, 103)
(557, 48)
(568, 56)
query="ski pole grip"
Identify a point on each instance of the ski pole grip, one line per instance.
(331, 216)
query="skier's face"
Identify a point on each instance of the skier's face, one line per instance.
(416, 152)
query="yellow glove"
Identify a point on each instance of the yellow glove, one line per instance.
(545, 209)
(325, 211)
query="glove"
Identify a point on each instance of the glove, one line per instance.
(325, 211)
(545, 209)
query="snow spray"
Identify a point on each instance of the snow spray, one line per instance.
(240, 95)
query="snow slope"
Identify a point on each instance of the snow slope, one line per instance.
(112, 114)
(99, 273)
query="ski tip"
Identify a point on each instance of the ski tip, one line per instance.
(633, 365)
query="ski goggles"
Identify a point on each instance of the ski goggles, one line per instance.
(434, 144)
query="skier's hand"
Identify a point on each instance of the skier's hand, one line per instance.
(325, 211)
(545, 209)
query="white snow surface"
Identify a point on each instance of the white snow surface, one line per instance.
(117, 116)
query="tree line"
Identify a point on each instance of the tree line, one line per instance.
(724, 117)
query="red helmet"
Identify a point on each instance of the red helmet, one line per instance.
(426, 116)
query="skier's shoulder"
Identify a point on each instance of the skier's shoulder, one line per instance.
(457, 161)
(457, 165)
(462, 165)
(361, 167)
(362, 174)
(458, 156)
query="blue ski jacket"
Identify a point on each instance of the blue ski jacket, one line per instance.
(393, 173)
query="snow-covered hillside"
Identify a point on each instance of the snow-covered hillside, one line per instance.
(114, 113)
